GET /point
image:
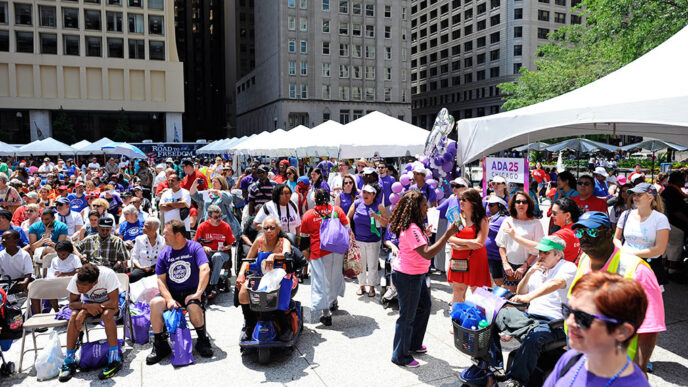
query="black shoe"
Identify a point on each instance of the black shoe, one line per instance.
(286, 335)
(110, 370)
(203, 347)
(247, 333)
(326, 320)
(67, 371)
(160, 351)
(334, 306)
(41, 330)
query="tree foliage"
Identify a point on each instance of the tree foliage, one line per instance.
(615, 33)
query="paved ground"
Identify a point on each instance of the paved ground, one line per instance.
(356, 350)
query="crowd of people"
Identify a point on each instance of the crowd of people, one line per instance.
(184, 221)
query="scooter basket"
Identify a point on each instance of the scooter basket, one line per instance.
(474, 343)
(263, 301)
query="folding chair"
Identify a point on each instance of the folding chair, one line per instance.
(43, 289)
(123, 287)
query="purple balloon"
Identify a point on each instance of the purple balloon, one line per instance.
(447, 157)
(428, 176)
(404, 180)
(408, 167)
(397, 187)
(432, 183)
(447, 167)
(394, 198)
(439, 193)
(451, 146)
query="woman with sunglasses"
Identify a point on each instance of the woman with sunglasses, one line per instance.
(347, 195)
(603, 315)
(516, 259)
(32, 216)
(317, 182)
(100, 205)
(292, 176)
(282, 207)
(620, 205)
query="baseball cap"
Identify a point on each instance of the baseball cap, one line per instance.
(369, 170)
(79, 184)
(62, 188)
(285, 162)
(32, 195)
(369, 188)
(420, 169)
(592, 219)
(169, 160)
(461, 181)
(496, 199)
(643, 188)
(62, 200)
(637, 176)
(105, 222)
(304, 180)
(498, 179)
(601, 171)
(547, 244)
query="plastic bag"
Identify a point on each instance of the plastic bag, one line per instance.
(50, 359)
(173, 318)
(145, 289)
(140, 320)
(489, 303)
(94, 354)
(182, 346)
(272, 280)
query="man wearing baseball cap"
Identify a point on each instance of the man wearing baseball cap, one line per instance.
(419, 173)
(103, 248)
(77, 199)
(601, 187)
(594, 231)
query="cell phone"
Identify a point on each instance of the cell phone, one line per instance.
(199, 181)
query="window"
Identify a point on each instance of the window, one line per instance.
(326, 116)
(482, 8)
(576, 19)
(71, 44)
(344, 95)
(137, 49)
(303, 24)
(356, 72)
(326, 92)
(326, 26)
(468, 46)
(494, 4)
(494, 72)
(304, 91)
(403, 13)
(388, 94)
(292, 90)
(326, 48)
(357, 51)
(356, 29)
(135, 23)
(494, 20)
(468, 62)
(303, 4)
(70, 18)
(343, 28)
(92, 1)
(326, 5)
(155, 25)
(4, 17)
(560, 2)
(115, 48)
(343, 7)
(47, 16)
(156, 50)
(388, 32)
(24, 41)
(304, 67)
(343, 71)
(23, 16)
(482, 24)
(480, 58)
(370, 72)
(156, 4)
(370, 31)
(494, 37)
(494, 55)
(518, 13)
(343, 49)
(92, 19)
(518, 32)
(403, 54)
(388, 11)
(114, 2)
(292, 68)
(94, 46)
(542, 33)
(403, 75)
(304, 47)
(370, 52)
(518, 50)
(543, 15)
(370, 10)
(325, 69)
(388, 74)
(356, 94)
(344, 115)
(467, 30)
(114, 21)
(468, 15)
(291, 23)
(4, 40)
(291, 45)
(517, 67)
(370, 94)
(560, 17)
(48, 43)
(480, 42)
(136, 3)
(468, 78)
(356, 9)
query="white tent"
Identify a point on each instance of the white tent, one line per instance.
(81, 144)
(46, 147)
(321, 140)
(287, 143)
(250, 146)
(205, 147)
(7, 149)
(377, 134)
(94, 148)
(272, 145)
(648, 97)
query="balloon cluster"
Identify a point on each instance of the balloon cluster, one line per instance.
(439, 162)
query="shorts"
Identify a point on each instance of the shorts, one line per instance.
(512, 283)
(496, 269)
(180, 297)
(305, 243)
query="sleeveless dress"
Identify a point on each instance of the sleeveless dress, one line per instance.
(478, 273)
(264, 254)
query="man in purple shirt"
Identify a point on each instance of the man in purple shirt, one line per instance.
(386, 182)
(419, 174)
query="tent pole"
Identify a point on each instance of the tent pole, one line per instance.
(653, 166)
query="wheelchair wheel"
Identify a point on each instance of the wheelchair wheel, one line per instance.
(263, 355)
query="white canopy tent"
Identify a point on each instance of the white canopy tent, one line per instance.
(648, 97)
(46, 147)
(81, 144)
(377, 134)
(249, 146)
(94, 148)
(7, 149)
(321, 140)
(205, 147)
(287, 144)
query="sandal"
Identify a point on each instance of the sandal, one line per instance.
(371, 293)
(360, 291)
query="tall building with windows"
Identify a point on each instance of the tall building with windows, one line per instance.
(462, 49)
(93, 59)
(317, 60)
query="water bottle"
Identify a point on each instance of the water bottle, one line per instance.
(483, 324)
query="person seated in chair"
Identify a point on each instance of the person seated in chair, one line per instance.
(94, 291)
(15, 263)
(216, 237)
(544, 288)
(183, 274)
(104, 248)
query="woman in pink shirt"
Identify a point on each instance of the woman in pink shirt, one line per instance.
(408, 275)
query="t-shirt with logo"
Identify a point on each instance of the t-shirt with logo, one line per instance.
(593, 203)
(77, 203)
(409, 261)
(209, 235)
(129, 231)
(181, 266)
(107, 282)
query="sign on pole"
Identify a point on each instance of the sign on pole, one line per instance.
(511, 169)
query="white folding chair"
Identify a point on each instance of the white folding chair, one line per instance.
(43, 289)
(123, 287)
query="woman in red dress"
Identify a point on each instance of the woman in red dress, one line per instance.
(469, 266)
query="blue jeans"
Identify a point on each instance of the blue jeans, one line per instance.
(218, 259)
(414, 313)
(529, 352)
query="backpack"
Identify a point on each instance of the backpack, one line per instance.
(11, 320)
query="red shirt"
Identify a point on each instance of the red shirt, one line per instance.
(161, 186)
(539, 175)
(310, 224)
(189, 179)
(572, 249)
(279, 179)
(211, 235)
(593, 203)
(19, 216)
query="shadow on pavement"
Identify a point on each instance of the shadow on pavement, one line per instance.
(671, 372)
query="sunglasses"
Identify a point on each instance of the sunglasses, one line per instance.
(457, 186)
(348, 183)
(463, 200)
(216, 217)
(269, 228)
(98, 205)
(584, 183)
(521, 201)
(290, 173)
(584, 319)
(592, 232)
(30, 210)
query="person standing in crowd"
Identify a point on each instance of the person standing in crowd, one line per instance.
(191, 175)
(603, 315)
(409, 276)
(600, 254)
(260, 192)
(21, 213)
(327, 280)
(386, 181)
(585, 199)
(114, 201)
(72, 219)
(250, 176)
(325, 166)
(77, 199)
(104, 248)
(419, 173)
(497, 212)
(175, 203)
(516, 259)
(468, 265)
(566, 186)
(283, 208)
(111, 168)
(292, 175)
(620, 204)
(644, 230)
(601, 187)
(367, 215)
(146, 176)
(348, 193)
(336, 180)
(499, 188)
(541, 178)
(303, 188)
(317, 182)
(637, 171)
(216, 237)
(218, 194)
(281, 176)
(661, 182)
(677, 214)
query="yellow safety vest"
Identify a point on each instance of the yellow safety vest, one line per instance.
(625, 267)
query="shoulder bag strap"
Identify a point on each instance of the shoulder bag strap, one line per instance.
(569, 364)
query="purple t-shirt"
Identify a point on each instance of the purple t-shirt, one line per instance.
(588, 379)
(181, 266)
(427, 191)
(325, 166)
(490, 244)
(386, 184)
(345, 200)
(447, 204)
(392, 237)
(246, 182)
(362, 221)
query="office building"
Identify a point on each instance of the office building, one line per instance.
(91, 58)
(317, 60)
(240, 51)
(462, 49)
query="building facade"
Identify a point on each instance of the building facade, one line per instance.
(317, 60)
(96, 60)
(462, 49)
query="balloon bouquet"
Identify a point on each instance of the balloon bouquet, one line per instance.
(439, 159)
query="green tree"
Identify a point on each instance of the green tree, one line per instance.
(615, 33)
(63, 129)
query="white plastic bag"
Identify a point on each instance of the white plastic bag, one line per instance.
(50, 359)
(145, 289)
(272, 280)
